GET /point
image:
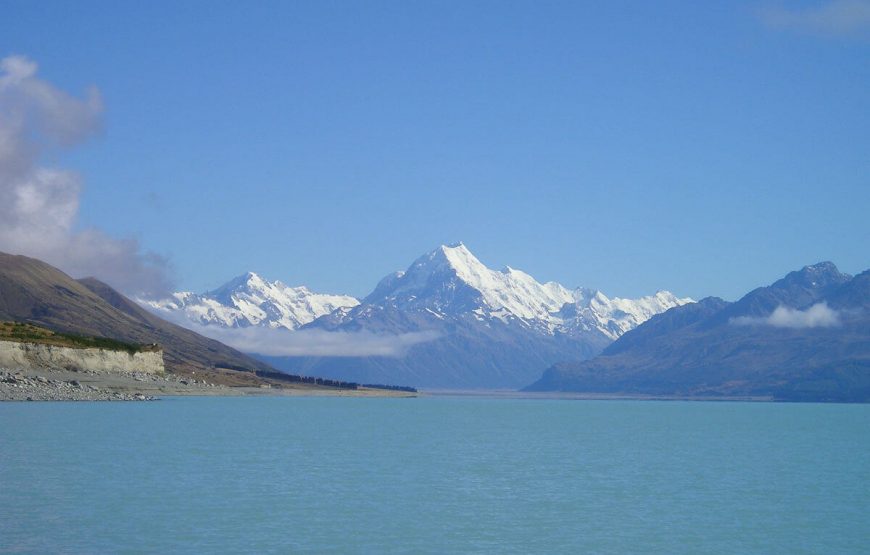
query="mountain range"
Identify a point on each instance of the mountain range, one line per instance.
(480, 328)
(804, 337)
(249, 300)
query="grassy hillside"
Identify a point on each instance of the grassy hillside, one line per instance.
(28, 333)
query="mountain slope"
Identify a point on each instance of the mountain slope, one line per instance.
(249, 300)
(33, 291)
(805, 337)
(493, 329)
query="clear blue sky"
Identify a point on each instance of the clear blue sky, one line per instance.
(702, 147)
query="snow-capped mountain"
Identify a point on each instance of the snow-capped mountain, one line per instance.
(451, 282)
(456, 322)
(249, 300)
(494, 329)
(593, 310)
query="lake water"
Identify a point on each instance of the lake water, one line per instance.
(432, 475)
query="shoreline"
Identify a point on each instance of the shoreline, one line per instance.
(42, 384)
(580, 396)
(23, 385)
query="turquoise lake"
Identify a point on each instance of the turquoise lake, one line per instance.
(434, 475)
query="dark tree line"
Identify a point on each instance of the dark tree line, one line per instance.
(295, 378)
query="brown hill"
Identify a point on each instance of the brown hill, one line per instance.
(35, 292)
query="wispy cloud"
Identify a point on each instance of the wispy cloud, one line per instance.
(38, 204)
(831, 18)
(819, 315)
(321, 343)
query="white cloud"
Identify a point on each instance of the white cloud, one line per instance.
(39, 205)
(817, 316)
(833, 18)
(283, 342)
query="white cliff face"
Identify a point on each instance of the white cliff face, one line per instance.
(14, 354)
(249, 300)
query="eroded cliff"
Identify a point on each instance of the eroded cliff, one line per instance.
(14, 354)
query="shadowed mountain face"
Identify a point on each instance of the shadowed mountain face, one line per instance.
(798, 289)
(805, 337)
(464, 355)
(33, 291)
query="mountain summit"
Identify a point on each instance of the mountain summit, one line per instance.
(450, 282)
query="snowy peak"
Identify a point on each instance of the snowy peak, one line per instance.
(453, 260)
(593, 310)
(466, 265)
(820, 275)
(250, 300)
(244, 283)
(450, 281)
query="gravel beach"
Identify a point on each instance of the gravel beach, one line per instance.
(69, 385)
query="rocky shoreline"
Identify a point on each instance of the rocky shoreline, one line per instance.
(67, 385)
(19, 386)
(54, 384)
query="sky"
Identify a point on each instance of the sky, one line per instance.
(706, 148)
